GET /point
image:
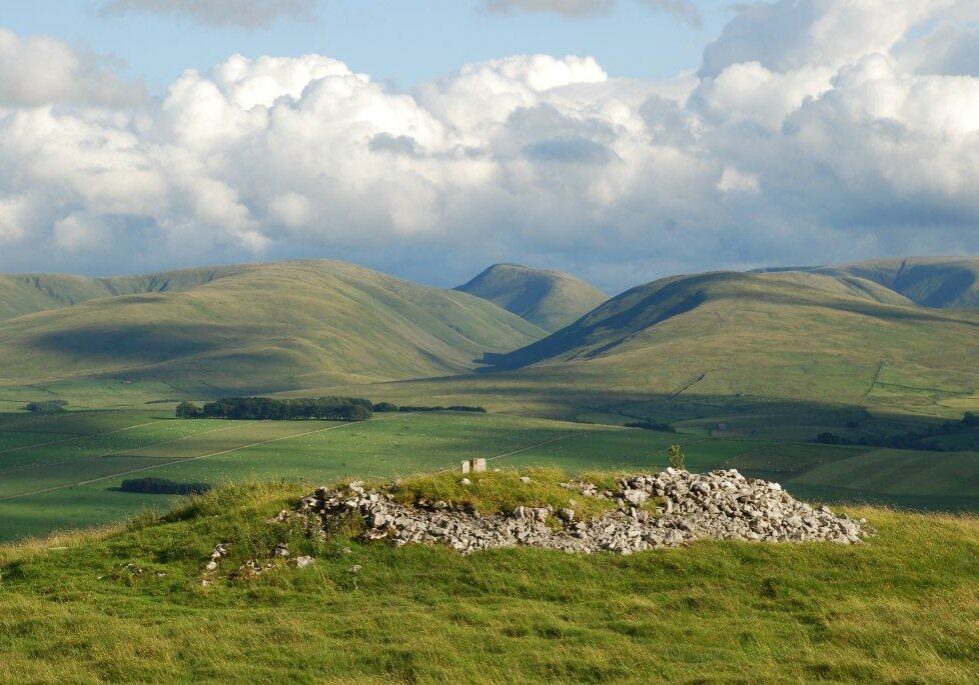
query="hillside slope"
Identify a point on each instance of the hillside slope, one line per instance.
(785, 335)
(549, 299)
(941, 282)
(28, 293)
(272, 326)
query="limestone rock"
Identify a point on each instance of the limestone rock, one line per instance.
(721, 505)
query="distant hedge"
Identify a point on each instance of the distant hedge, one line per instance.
(322, 408)
(455, 407)
(47, 406)
(909, 440)
(652, 426)
(163, 486)
(265, 408)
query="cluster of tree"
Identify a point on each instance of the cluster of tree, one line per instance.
(454, 407)
(908, 440)
(323, 408)
(265, 408)
(163, 486)
(652, 426)
(47, 406)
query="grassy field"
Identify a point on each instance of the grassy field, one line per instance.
(64, 471)
(125, 604)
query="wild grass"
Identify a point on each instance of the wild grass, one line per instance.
(901, 608)
(495, 492)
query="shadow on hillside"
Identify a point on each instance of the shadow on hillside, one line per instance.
(134, 342)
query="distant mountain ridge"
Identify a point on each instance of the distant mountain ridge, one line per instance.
(262, 327)
(36, 292)
(781, 335)
(940, 282)
(547, 298)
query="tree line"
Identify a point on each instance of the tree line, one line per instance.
(163, 486)
(266, 408)
(652, 426)
(907, 440)
(47, 406)
(294, 409)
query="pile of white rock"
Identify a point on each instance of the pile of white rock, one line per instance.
(722, 505)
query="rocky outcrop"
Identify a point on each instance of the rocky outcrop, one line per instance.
(722, 505)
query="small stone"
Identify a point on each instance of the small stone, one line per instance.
(524, 479)
(355, 568)
(304, 561)
(211, 566)
(465, 481)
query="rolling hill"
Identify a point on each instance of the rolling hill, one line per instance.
(941, 282)
(549, 299)
(261, 327)
(775, 336)
(28, 293)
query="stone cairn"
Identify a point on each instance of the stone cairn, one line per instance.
(722, 505)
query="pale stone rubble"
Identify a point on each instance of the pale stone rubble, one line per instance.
(719, 505)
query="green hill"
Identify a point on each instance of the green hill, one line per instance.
(126, 604)
(549, 299)
(28, 293)
(947, 282)
(262, 327)
(783, 336)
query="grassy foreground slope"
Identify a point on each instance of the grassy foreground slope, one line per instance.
(125, 604)
(549, 299)
(746, 337)
(265, 327)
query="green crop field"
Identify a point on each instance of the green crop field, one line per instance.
(64, 471)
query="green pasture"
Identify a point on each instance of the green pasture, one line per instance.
(63, 471)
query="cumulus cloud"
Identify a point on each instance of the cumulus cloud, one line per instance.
(683, 10)
(780, 151)
(40, 71)
(244, 13)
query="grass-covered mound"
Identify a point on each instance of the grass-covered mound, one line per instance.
(126, 604)
(501, 491)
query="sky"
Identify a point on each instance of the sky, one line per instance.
(619, 140)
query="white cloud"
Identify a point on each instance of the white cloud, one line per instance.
(79, 232)
(733, 181)
(781, 152)
(243, 13)
(41, 71)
